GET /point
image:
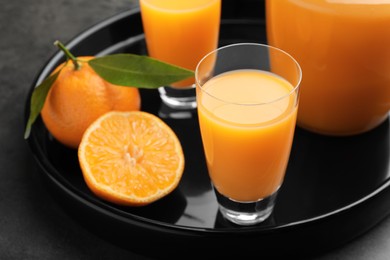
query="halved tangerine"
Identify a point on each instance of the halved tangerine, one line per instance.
(131, 158)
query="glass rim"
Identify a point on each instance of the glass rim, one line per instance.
(294, 89)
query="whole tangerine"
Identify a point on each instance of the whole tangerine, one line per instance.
(78, 97)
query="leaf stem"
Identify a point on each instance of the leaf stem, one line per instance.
(68, 54)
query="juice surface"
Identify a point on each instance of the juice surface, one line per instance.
(181, 32)
(343, 47)
(247, 140)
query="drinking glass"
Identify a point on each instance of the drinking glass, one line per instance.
(247, 102)
(180, 32)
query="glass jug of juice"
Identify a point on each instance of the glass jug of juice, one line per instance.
(343, 47)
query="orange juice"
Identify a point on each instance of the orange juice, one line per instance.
(247, 120)
(181, 32)
(343, 48)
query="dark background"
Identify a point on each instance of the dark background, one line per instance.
(32, 224)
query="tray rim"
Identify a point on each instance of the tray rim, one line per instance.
(155, 224)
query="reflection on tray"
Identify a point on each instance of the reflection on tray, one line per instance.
(326, 173)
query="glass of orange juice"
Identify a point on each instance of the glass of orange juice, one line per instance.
(247, 95)
(180, 32)
(343, 48)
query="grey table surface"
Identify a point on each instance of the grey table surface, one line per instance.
(32, 224)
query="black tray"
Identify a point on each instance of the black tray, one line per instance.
(335, 188)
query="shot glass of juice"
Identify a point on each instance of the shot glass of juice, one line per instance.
(343, 48)
(180, 32)
(247, 97)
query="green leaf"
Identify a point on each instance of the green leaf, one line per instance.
(129, 70)
(138, 71)
(38, 98)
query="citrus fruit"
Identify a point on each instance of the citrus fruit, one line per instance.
(78, 97)
(131, 158)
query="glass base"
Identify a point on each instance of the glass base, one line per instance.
(166, 111)
(183, 98)
(246, 213)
